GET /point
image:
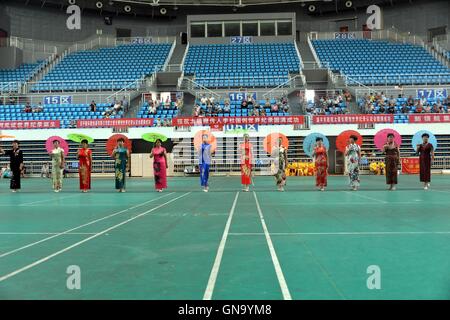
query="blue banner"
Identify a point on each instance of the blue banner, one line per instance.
(57, 100)
(432, 93)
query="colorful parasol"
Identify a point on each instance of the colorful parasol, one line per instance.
(62, 143)
(343, 138)
(310, 142)
(78, 137)
(198, 139)
(381, 138)
(271, 140)
(111, 144)
(152, 137)
(417, 139)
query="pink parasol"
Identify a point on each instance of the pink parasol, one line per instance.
(381, 138)
(62, 143)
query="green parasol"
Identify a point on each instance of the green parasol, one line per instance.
(152, 137)
(78, 137)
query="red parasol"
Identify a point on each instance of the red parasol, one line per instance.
(271, 140)
(343, 138)
(111, 144)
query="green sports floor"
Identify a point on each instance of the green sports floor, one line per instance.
(226, 244)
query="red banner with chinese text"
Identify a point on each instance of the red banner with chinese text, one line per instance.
(353, 119)
(115, 123)
(30, 124)
(215, 121)
(429, 118)
(410, 165)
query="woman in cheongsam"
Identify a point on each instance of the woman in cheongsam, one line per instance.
(246, 163)
(121, 156)
(426, 158)
(84, 155)
(352, 157)
(392, 161)
(320, 155)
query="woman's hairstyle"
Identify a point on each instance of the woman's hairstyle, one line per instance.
(354, 137)
(55, 141)
(425, 135)
(319, 139)
(158, 140)
(246, 135)
(84, 141)
(121, 140)
(390, 135)
(16, 141)
(205, 135)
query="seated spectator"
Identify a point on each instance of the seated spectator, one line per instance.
(167, 102)
(28, 108)
(419, 108)
(391, 109)
(427, 109)
(274, 108)
(6, 172)
(203, 100)
(286, 108)
(125, 104)
(244, 104)
(38, 109)
(381, 109)
(117, 106)
(267, 104)
(45, 171)
(93, 106)
(263, 112)
(152, 109)
(226, 108)
(410, 101)
(405, 109)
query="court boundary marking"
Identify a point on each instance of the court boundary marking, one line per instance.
(273, 254)
(368, 233)
(2, 255)
(57, 253)
(218, 260)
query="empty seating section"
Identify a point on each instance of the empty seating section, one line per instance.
(164, 113)
(104, 69)
(65, 113)
(252, 65)
(9, 78)
(381, 62)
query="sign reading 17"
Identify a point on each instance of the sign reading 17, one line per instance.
(432, 93)
(58, 100)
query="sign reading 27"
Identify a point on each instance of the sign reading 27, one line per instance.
(241, 40)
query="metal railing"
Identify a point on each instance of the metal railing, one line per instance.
(222, 81)
(79, 85)
(285, 84)
(398, 79)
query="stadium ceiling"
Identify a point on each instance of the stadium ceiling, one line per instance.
(206, 3)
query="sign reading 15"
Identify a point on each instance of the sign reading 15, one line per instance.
(57, 100)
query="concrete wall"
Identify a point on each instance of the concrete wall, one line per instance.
(50, 24)
(10, 57)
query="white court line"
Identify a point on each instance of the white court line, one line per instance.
(47, 200)
(81, 226)
(215, 269)
(38, 262)
(339, 233)
(362, 196)
(42, 233)
(273, 254)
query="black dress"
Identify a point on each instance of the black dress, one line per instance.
(16, 159)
